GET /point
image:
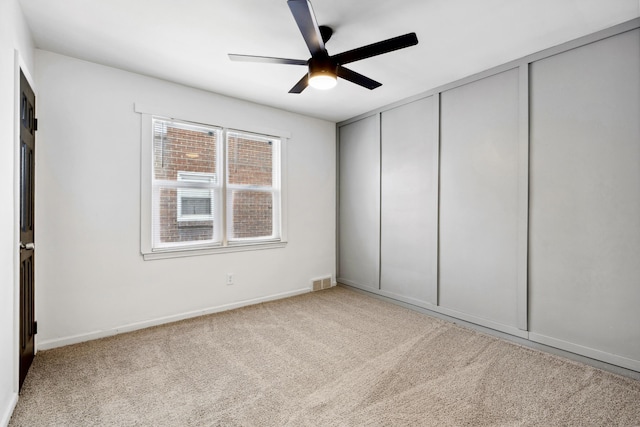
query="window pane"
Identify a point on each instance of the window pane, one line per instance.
(185, 184)
(183, 147)
(249, 160)
(252, 214)
(169, 229)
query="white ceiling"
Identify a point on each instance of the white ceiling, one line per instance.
(187, 41)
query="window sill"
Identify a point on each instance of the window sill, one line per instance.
(186, 252)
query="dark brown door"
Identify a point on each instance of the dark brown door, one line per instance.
(27, 248)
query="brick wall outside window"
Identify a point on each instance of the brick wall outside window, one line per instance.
(250, 161)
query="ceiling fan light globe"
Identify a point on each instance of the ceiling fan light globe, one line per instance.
(322, 81)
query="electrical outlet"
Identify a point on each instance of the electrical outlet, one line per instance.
(229, 278)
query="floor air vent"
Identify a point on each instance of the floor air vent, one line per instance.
(321, 283)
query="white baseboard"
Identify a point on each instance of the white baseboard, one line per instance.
(74, 339)
(8, 411)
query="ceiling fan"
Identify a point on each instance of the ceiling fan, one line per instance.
(324, 69)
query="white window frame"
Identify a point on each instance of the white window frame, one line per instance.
(197, 248)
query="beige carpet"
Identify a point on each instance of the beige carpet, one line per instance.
(330, 358)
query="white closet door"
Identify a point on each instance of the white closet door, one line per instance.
(479, 201)
(409, 202)
(359, 212)
(585, 200)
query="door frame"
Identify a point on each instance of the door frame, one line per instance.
(19, 65)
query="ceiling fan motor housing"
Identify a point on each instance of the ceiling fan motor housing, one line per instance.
(322, 66)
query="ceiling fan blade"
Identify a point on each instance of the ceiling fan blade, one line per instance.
(375, 49)
(357, 78)
(301, 85)
(266, 59)
(306, 20)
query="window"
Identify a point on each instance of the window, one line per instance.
(209, 188)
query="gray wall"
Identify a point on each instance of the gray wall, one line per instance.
(478, 198)
(359, 203)
(510, 199)
(409, 221)
(585, 198)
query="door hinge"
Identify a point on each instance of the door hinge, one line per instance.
(35, 124)
(35, 328)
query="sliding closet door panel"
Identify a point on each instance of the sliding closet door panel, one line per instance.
(359, 234)
(585, 199)
(479, 198)
(409, 201)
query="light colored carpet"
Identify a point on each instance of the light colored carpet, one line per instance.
(330, 358)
